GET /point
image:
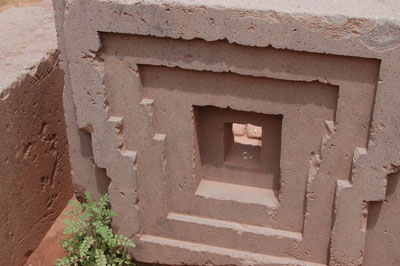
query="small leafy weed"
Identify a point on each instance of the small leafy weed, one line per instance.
(89, 238)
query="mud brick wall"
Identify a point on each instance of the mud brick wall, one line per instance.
(153, 89)
(35, 173)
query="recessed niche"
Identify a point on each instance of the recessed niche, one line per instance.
(242, 151)
(234, 159)
(247, 134)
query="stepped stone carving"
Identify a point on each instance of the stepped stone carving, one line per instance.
(159, 86)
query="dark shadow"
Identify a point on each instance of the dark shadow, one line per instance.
(256, 88)
(374, 207)
(220, 52)
(102, 180)
(85, 141)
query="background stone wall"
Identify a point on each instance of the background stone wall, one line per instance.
(247, 134)
(35, 182)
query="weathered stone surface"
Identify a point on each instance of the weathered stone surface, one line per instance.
(254, 131)
(383, 227)
(158, 84)
(239, 129)
(50, 248)
(35, 179)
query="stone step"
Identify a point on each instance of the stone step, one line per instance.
(209, 231)
(239, 193)
(190, 253)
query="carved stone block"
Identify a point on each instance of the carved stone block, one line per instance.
(159, 85)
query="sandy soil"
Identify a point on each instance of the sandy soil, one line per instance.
(50, 248)
(20, 3)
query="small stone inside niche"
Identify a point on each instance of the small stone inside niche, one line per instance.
(247, 134)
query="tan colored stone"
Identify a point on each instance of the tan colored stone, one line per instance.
(239, 129)
(158, 85)
(35, 178)
(254, 131)
(247, 141)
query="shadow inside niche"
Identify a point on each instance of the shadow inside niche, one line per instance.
(375, 207)
(85, 142)
(102, 181)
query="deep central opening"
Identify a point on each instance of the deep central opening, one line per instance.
(243, 144)
(239, 147)
(247, 134)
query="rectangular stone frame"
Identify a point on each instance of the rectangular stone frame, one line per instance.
(181, 20)
(123, 53)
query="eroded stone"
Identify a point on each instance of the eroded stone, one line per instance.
(35, 174)
(322, 86)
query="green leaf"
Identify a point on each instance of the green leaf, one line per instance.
(89, 238)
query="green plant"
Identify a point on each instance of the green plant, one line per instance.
(90, 240)
(14, 2)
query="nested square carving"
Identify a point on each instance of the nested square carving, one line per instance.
(234, 162)
(173, 93)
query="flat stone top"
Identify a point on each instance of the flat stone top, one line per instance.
(371, 9)
(27, 37)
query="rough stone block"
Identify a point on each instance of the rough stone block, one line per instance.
(158, 84)
(35, 174)
(254, 131)
(239, 129)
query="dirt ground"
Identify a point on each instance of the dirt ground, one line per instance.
(50, 248)
(6, 4)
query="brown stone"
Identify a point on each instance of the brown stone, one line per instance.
(35, 179)
(50, 248)
(158, 85)
(254, 131)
